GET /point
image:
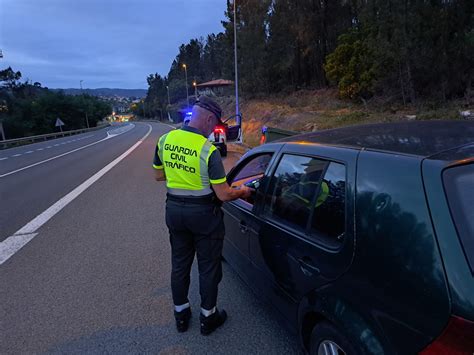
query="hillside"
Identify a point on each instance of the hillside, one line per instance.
(307, 111)
(106, 92)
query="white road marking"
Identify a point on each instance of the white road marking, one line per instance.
(16, 155)
(26, 233)
(29, 152)
(39, 149)
(12, 244)
(49, 147)
(3, 158)
(61, 155)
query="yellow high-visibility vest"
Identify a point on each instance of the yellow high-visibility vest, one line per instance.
(185, 157)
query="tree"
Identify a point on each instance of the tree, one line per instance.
(9, 78)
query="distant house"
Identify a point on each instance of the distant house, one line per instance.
(217, 87)
(121, 108)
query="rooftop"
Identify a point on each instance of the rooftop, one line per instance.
(216, 83)
(422, 138)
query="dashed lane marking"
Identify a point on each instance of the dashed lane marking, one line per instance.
(24, 235)
(48, 147)
(109, 136)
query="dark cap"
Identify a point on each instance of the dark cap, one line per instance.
(210, 105)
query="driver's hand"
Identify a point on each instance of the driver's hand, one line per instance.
(246, 191)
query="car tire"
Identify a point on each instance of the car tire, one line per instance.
(327, 339)
(223, 150)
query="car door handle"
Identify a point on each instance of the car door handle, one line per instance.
(307, 266)
(243, 227)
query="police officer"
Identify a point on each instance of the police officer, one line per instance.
(196, 183)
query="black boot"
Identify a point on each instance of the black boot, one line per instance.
(211, 323)
(182, 319)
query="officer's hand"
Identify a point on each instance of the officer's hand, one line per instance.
(246, 191)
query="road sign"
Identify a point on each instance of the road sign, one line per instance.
(59, 123)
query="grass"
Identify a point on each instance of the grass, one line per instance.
(313, 110)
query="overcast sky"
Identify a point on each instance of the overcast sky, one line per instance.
(106, 43)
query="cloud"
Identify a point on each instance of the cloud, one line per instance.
(59, 42)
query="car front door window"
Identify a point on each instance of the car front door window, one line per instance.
(251, 173)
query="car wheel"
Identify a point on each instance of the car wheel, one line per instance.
(224, 150)
(328, 340)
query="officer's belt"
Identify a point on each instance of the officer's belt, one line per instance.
(199, 200)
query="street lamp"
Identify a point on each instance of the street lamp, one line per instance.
(237, 109)
(169, 103)
(195, 89)
(186, 75)
(87, 118)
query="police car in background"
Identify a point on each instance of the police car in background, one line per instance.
(229, 131)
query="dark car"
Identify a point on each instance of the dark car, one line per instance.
(362, 237)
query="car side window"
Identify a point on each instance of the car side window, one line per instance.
(251, 173)
(293, 189)
(329, 216)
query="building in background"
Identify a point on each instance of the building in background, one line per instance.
(219, 87)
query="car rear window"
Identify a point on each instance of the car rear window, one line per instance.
(459, 186)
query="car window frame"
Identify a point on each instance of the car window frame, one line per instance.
(240, 203)
(306, 234)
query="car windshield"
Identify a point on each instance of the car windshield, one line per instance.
(459, 186)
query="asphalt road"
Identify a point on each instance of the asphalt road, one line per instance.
(95, 277)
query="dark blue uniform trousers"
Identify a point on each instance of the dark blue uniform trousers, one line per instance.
(195, 228)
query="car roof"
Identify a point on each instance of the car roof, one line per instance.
(421, 138)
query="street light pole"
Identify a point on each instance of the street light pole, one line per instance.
(186, 75)
(87, 117)
(195, 89)
(236, 81)
(2, 131)
(169, 103)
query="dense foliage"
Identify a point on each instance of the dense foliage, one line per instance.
(28, 109)
(404, 50)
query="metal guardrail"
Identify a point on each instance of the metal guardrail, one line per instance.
(8, 143)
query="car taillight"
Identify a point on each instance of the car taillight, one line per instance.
(457, 338)
(218, 130)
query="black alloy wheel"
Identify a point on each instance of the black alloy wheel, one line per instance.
(328, 340)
